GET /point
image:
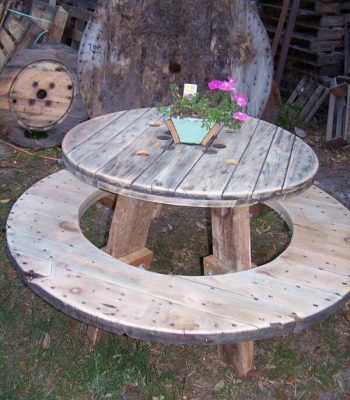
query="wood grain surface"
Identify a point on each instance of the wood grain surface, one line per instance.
(39, 90)
(132, 153)
(132, 51)
(309, 281)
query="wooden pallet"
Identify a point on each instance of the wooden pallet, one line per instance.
(312, 7)
(80, 13)
(19, 31)
(316, 45)
(338, 123)
(11, 34)
(309, 95)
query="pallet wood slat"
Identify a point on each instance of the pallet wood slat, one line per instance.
(347, 118)
(285, 295)
(309, 95)
(319, 41)
(338, 111)
(286, 41)
(58, 25)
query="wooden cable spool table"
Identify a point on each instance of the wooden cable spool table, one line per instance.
(131, 153)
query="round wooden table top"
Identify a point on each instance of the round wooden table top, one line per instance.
(132, 153)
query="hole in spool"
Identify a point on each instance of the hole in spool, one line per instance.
(35, 135)
(51, 85)
(166, 147)
(41, 94)
(209, 151)
(69, 87)
(174, 68)
(163, 137)
(14, 101)
(142, 153)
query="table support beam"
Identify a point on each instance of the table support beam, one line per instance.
(129, 230)
(231, 247)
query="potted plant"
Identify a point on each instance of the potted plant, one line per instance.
(196, 119)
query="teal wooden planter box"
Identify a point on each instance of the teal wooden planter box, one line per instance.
(191, 130)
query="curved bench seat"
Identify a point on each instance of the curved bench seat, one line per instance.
(309, 281)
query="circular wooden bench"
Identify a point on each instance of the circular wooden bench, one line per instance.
(308, 282)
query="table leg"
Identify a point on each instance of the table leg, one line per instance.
(129, 230)
(231, 253)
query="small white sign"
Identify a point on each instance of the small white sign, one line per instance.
(190, 89)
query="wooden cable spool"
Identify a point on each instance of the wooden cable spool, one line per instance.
(132, 51)
(39, 92)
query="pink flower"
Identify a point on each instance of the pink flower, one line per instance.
(213, 85)
(240, 116)
(232, 80)
(240, 99)
(226, 86)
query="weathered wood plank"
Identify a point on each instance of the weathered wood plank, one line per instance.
(58, 25)
(135, 157)
(302, 166)
(273, 173)
(347, 113)
(243, 181)
(85, 130)
(210, 175)
(102, 140)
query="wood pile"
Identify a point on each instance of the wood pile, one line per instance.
(317, 42)
(338, 123)
(79, 12)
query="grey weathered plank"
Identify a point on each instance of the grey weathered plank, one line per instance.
(102, 140)
(114, 148)
(302, 166)
(210, 175)
(135, 157)
(274, 170)
(243, 181)
(160, 177)
(84, 131)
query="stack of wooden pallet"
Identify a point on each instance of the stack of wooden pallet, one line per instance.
(79, 12)
(317, 42)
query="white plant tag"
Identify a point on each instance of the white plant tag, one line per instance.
(190, 89)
